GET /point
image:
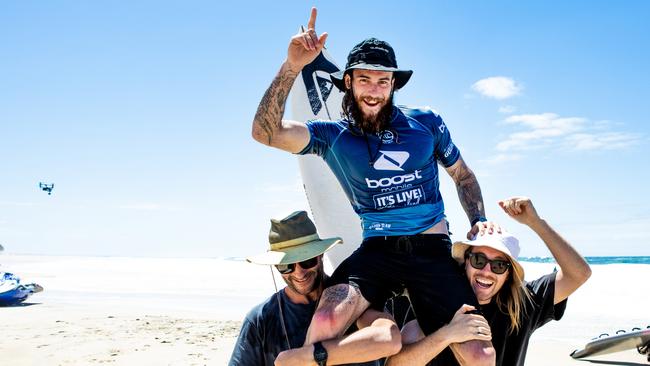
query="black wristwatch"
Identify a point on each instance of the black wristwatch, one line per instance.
(320, 354)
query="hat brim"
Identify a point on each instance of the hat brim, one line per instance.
(460, 247)
(401, 76)
(295, 254)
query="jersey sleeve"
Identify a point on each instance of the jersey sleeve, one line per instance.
(248, 349)
(446, 151)
(543, 292)
(321, 135)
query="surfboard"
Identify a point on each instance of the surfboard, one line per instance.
(314, 96)
(614, 343)
(12, 292)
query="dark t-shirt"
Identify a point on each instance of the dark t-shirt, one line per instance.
(262, 338)
(511, 348)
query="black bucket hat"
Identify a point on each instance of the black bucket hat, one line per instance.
(372, 54)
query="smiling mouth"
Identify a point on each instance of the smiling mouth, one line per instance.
(371, 103)
(303, 280)
(484, 283)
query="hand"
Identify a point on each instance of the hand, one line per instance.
(483, 227)
(305, 46)
(465, 327)
(520, 209)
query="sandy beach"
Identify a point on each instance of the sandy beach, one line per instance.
(144, 311)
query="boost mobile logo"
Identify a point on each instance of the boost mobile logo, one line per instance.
(391, 160)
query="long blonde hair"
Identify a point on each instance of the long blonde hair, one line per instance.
(511, 297)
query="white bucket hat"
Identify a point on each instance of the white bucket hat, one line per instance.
(503, 242)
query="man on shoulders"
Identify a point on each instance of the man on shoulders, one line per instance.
(386, 159)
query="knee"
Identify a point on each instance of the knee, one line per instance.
(339, 307)
(482, 354)
(327, 323)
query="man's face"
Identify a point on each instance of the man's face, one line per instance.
(485, 283)
(372, 90)
(305, 281)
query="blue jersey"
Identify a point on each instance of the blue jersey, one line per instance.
(390, 178)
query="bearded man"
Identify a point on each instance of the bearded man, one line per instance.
(385, 158)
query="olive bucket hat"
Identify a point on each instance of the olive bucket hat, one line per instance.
(293, 239)
(372, 54)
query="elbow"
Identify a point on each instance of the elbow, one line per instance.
(586, 273)
(259, 135)
(389, 337)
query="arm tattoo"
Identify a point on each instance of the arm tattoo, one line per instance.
(469, 192)
(268, 118)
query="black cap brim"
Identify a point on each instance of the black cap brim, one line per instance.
(401, 76)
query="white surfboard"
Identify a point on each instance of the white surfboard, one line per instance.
(314, 96)
(615, 343)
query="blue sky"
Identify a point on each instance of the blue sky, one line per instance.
(140, 114)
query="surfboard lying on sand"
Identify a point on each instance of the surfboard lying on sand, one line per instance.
(314, 96)
(13, 292)
(615, 343)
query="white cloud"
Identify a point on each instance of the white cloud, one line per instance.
(607, 141)
(497, 87)
(507, 109)
(572, 133)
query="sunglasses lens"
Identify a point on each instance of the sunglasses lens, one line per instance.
(498, 266)
(285, 268)
(289, 268)
(477, 260)
(309, 263)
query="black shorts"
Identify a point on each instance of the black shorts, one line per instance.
(383, 266)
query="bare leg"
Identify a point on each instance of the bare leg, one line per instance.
(339, 307)
(479, 353)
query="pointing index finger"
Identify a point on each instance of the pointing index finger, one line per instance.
(312, 19)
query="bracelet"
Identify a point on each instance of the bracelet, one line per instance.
(478, 219)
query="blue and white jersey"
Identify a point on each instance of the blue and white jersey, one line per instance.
(390, 178)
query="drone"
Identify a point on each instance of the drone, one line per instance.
(46, 187)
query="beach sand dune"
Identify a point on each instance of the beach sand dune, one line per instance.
(143, 311)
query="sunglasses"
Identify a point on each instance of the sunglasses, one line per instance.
(289, 268)
(479, 261)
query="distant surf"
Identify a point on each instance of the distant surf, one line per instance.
(595, 260)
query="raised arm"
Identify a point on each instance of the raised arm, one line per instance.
(419, 350)
(268, 126)
(469, 194)
(378, 337)
(574, 270)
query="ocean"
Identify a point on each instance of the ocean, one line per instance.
(595, 260)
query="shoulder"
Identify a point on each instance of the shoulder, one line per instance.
(542, 291)
(338, 124)
(424, 115)
(542, 285)
(260, 312)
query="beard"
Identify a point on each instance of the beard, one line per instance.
(305, 291)
(368, 123)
